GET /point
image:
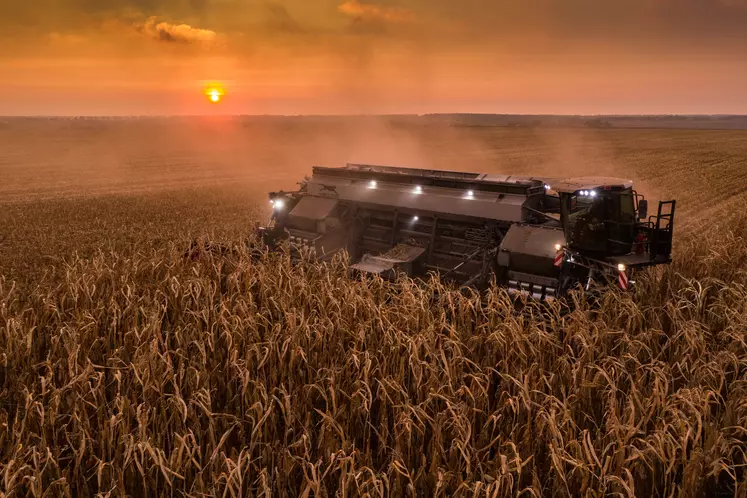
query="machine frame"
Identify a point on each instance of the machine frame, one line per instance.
(528, 232)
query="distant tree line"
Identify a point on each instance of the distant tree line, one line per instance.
(597, 123)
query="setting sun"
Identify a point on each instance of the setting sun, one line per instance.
(214, 94)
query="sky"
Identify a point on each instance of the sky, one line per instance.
(156, 57)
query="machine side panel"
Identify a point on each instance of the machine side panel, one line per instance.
(530, 249)
(434, 178)
(485, 205)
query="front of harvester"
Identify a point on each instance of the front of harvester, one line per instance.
(609, 234)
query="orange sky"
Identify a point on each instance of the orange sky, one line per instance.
(115, 57)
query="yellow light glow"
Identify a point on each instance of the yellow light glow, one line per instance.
(214, 93)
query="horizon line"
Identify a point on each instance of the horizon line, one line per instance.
(301, 115)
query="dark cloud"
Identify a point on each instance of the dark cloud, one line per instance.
(448, 26)
(449, 21)
(595, 19)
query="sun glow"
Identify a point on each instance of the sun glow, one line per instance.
(214, 94)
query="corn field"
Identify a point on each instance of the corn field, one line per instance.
(131, 371)
(144, 375)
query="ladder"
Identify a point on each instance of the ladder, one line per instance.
(661, 243)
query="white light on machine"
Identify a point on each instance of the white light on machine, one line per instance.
(558, 247)
(621, 267)
(418, 189)
(415, 218)
(278, 204)
(593, 193)
(470, 194)
(547, 187)
(372, 184)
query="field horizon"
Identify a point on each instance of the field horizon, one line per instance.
(655, 121)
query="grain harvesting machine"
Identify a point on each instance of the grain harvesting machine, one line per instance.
(537, 236)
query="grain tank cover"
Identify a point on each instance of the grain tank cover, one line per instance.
(313, 208)
(312, 214)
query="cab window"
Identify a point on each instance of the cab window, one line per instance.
(622, 206)
(627, 205)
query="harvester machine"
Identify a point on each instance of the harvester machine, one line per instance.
(537, 236)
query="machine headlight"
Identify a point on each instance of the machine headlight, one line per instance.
(622, 267)
(593, 193)
(278, 204)
(558, 247)
(470, 193)
(418, 190)
(415, 218)
(372, 184)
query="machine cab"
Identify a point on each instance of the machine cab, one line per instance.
(599, 215)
